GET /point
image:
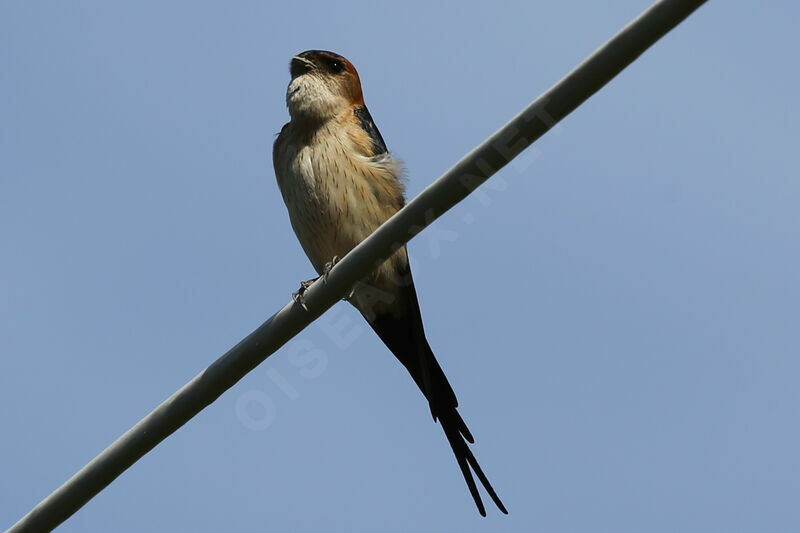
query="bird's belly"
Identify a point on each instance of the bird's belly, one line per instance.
(331, 212)
(324, 237)
(334, 203)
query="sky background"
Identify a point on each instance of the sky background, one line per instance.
(618, 311)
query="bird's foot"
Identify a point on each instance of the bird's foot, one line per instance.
(326, 270)
(297, 295)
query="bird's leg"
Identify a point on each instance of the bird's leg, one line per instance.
(327, 270)
(297, 295)
(329, 266)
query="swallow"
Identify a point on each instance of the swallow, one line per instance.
(339, 183)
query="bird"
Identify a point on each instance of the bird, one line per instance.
(339, 183)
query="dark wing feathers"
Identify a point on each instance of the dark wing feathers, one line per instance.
(368, 125)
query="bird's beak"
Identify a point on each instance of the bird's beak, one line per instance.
(299, 66)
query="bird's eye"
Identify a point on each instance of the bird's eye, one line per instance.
(336, 66)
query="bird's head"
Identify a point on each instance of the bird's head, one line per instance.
(324, 85)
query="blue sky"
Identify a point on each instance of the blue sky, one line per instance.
(617, 311)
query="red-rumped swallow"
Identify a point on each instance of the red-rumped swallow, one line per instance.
(340, 183)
